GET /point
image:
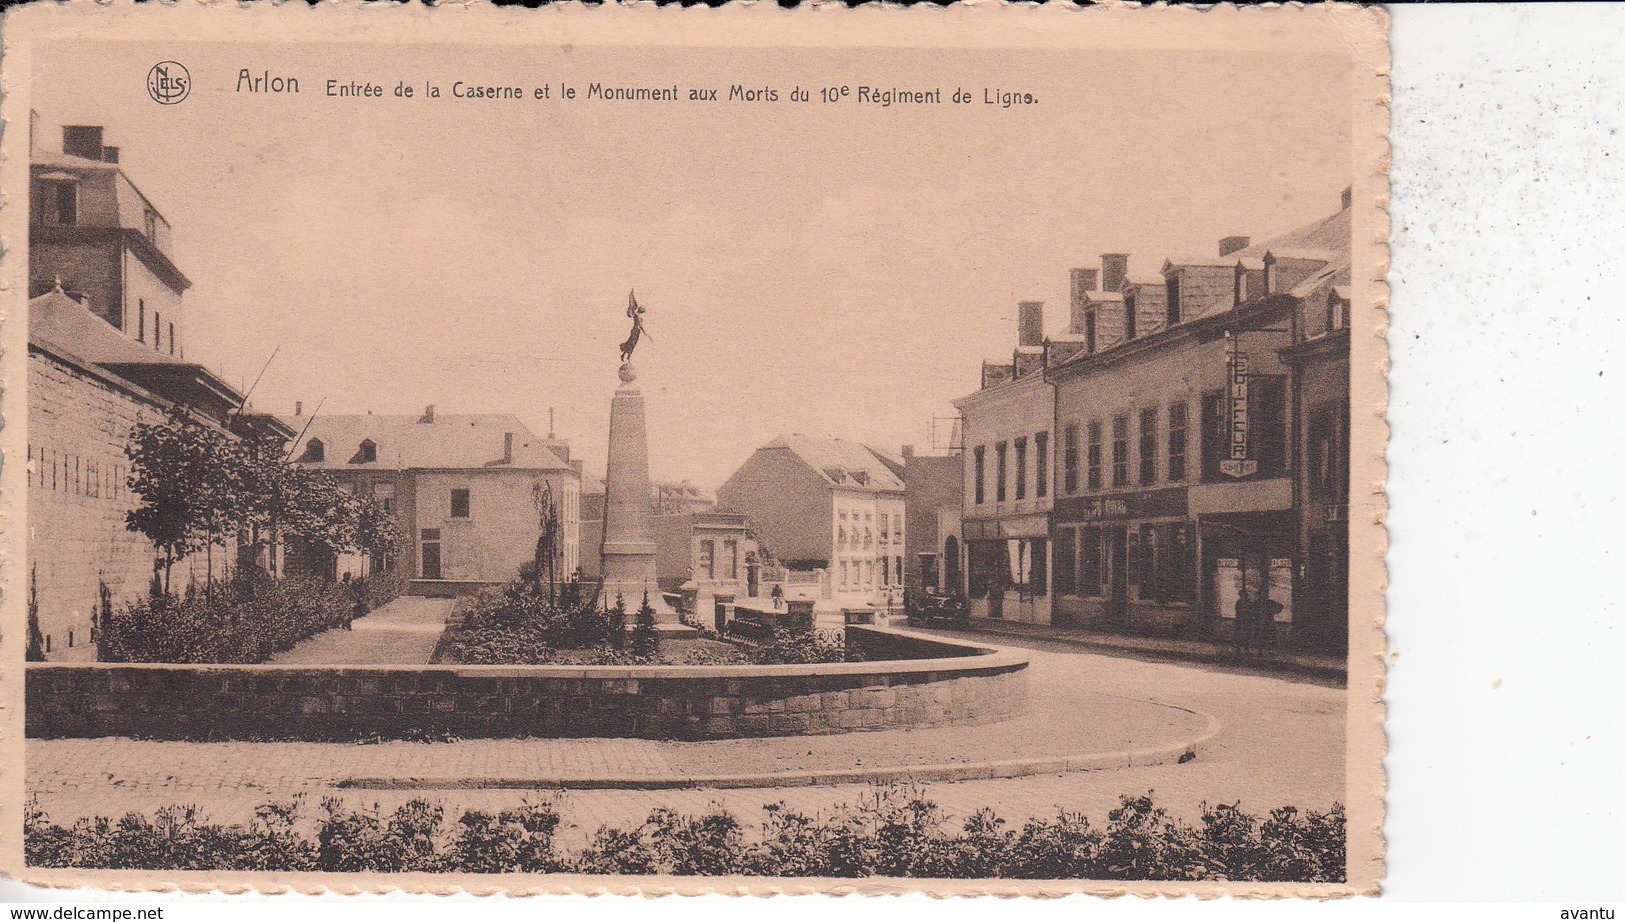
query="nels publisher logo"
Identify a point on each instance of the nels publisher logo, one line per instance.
(168, 82)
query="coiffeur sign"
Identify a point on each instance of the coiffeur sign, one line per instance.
(1238, 464)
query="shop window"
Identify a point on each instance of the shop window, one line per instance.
(459, 504)
(1120, 451)
(1066, 561)
(989, 566)
(1021, 468)
(1094, 455)
(1038, 567)
(1069, 459)
(1176, 442)
(1089, 571)
(1041, 463)
(1148, 446)
(1001, 470)
(1148, 562)
(979, 465)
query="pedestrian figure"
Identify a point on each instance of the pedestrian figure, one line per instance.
(778, 596)
(1255, 622)
(358, 610)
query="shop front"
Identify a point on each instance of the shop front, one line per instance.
(1008, 568)
(1247, 551)
(1126, 562)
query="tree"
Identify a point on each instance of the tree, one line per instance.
(187, 481)
(547, 538)
(36, 641)
(645, 639)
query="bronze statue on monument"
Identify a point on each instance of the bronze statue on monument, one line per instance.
(636, 313)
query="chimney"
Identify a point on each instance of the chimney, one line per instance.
(1030, 323)
(82, 141)
(579, 467)
(1233, 245)
(110, 154)
(428, 414)
(299, 408)
(908, 452)
(507, 448)
(1348, 198)
(1113, 271)
(550, 435)
(1083, 282)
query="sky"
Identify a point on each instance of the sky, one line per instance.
(833, 269)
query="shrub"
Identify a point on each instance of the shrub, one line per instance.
(893, 831)
(244, 620)
(801, 645)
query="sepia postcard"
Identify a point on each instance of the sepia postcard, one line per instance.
(647, 450)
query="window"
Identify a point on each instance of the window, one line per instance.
(368, 453)
(1094, 455)
(1089, 331)
(158, 331)
(56, 202)
(1148, 446)
(1131, 318)
(141, 320)
(1002, 450)
(315, 450)
(1120, 451)
(1337, 313)
(1021, 468)
(1176, 442)
(897, 568)
(730, 558)
(1215, 433)
(172, 339)
(1041, 462)
(1267, 399)
(384, 495)
(150, 224)
(1069, 459)
(885, 527)
(459, 504)
(1173, 300)
(885, 571)
(708, 552)
(1328, 438)
(1148, 562)
(980, 465)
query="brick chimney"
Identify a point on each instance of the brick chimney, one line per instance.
(428, 414)
(1348, 198)
(1233, 245)
(299, 408)
(908, 452)
(1113, 271)
(82, 141)
(1083, 282)
(1030, 323)
(507, 448)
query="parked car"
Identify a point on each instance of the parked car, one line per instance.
(942, 608)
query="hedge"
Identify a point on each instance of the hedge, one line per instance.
(893, 831)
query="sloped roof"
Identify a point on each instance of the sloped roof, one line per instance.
(1326, 239)
(62, 324)
(825, 457)
(452, 441)
(1336, 274)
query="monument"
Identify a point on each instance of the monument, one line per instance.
(629, 537)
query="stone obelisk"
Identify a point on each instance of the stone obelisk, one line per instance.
(629, 535)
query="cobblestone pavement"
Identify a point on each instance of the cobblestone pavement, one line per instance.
(400, 633)
(1281, 743)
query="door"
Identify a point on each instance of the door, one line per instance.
(1117, 550)
(431, 553)
(950, 565)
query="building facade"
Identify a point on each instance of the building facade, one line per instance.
(1180, 434)
(466, 489)
(1007, 489)
(933, 490)
(830, 505)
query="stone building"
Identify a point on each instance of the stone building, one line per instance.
(1176, 467)
(105, 334)
(827, 504)
(1007, 489)
(465, 489)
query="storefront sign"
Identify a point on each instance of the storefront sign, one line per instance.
(1149, 504)
(1028, 526)
(1238, 464)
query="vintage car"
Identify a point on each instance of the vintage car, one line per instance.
(941, 608)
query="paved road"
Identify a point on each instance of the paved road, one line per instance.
(1282, 743)
(400, 633)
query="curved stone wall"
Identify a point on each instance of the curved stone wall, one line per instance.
(953, 683)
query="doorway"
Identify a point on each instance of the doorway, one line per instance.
(431, 553)
(1117, 574)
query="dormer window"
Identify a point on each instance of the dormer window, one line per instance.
(860, 476)
(1337, 312)
(315, 450)
(368, 453)
(150, 225)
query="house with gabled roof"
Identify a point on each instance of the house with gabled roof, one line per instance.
(826, 504)
(467, 490)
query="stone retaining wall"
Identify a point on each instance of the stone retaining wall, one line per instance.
(658, 702)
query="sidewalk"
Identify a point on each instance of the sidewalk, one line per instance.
(401, 633)
(1319, 665)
